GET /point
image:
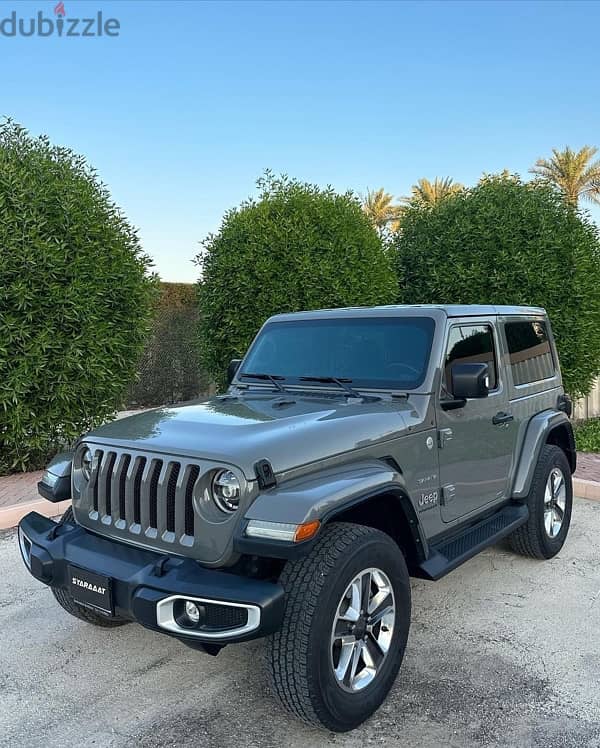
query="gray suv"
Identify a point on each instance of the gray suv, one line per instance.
(353, 449)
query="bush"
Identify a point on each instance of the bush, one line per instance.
(297, 247)
(75, 297)
(169, 369)
(587, 435)
(506, 242)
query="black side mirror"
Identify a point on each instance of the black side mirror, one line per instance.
(234, 365)
(467, 381)
(470, 380)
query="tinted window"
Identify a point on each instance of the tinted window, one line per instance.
(471, 344)
(376, 352)
(529, 350)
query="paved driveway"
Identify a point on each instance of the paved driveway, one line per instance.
(503, 652)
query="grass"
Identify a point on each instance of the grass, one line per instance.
(587, 435)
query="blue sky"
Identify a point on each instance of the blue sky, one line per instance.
(192, 101)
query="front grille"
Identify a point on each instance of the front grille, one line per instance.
(111, 458)
(137, 490)
(142, 495)
(172, 496)
(122, 480)
(189, 507)
(156, 468)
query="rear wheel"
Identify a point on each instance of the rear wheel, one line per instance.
(550, 502)
(66, 602)
(345, 627)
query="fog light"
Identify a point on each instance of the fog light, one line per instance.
(188, 614)
(192, 613)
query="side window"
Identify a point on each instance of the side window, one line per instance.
(471, 344)
(529, 351)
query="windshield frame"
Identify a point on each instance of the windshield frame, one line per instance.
(296, 383)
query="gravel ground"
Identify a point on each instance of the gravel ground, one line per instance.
(504, 651)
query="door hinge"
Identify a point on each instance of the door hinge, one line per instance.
(448, 494)
(444, 435)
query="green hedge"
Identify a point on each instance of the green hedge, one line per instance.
(587, 435)
(506, 242)
(169, 369)
(296, 247)
(75, 299)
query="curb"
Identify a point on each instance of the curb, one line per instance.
(586, 489)
(12, 515)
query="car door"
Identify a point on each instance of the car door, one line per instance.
(475, 441)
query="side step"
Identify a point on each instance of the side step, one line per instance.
(450, 554)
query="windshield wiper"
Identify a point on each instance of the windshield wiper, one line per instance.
(342, 382)
(273, 378)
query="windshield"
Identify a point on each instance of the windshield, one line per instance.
(372, 352)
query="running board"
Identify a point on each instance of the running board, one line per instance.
(450, 554)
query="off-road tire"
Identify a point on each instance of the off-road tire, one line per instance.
(299, 654)
(66, 602)
(531, 539)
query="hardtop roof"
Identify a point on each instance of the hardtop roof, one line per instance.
(450, 310)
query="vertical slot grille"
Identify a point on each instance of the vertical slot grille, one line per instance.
(107, 487)
(122, 483)
(137, 491)
(154, 493)
(171, 495)
(144, 495)
(97, 464)
(189, 496)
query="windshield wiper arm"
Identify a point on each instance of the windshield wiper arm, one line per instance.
(341, 382)
(273, 378)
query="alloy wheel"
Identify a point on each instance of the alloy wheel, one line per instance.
(555, 501)
(362, 630)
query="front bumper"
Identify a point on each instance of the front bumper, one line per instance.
(145, 584)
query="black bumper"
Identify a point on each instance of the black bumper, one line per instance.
(141, 579)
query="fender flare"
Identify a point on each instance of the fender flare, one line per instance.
(323, 496)
(536, 436)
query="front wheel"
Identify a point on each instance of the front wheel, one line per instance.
(345, 627)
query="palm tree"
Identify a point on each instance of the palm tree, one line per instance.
(573, 172)
(378, 206)
(425, 192)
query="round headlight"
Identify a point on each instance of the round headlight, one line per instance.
(86, 464)
(226, 491)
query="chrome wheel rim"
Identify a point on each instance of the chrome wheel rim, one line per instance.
(362, 630)
(555, 502)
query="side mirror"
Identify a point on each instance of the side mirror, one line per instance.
(234, 365)
(56, 480)
(467, 380)
(470, 380)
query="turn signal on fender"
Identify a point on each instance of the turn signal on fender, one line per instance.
(306, 531)
(290, 533)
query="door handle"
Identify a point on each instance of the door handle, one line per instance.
(502, 417)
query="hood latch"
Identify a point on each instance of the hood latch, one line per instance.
(264, 474)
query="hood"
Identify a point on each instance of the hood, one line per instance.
(287, 429)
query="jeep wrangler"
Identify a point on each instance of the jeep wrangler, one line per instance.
(354, 448)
